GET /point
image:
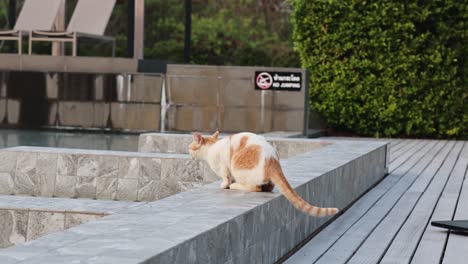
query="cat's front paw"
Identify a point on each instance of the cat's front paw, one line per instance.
(224, 185)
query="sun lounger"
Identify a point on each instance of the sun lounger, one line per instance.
(89, 20)
(35, 15)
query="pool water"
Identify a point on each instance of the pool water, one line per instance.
(68, 139)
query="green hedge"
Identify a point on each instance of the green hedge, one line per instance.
(386, 68)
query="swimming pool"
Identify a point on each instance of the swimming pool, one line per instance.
(68, 139)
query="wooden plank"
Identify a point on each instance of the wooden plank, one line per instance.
(431, 246)
(343, 250)
(401, 156)
(400, 143)
(404, 244)
(404, 144)
(395, 142)
(312, 251)
(395, 147)
(457, 244)
(397, 155)
(375, 245)
(351, 240)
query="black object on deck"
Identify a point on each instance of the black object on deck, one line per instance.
(458, 225)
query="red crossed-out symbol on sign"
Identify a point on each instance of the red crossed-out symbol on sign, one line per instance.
(264, 80)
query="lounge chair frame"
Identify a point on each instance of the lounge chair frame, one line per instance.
(64, 37)
(34, 15)
(80, 27)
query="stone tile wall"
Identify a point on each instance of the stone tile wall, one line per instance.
(26, 218)
(23, 225)
(127, 176)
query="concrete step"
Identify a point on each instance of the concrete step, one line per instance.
(210, 225)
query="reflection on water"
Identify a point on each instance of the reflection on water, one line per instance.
(64, 139)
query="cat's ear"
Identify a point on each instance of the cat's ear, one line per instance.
(215, 135)
(197, 137)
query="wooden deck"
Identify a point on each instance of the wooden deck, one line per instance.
(427, 181)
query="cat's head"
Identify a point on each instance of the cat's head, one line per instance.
(200, 144)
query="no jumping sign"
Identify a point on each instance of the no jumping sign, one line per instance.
(283, 81)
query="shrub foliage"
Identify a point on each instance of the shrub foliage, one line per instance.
(386, 68)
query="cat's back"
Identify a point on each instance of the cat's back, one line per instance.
(245, 139)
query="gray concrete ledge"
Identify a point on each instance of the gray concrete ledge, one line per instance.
(177, 143)
(209, 225)
(104, 207)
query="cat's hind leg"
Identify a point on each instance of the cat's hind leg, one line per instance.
(267, 187)
(227, 179)
(245, 187)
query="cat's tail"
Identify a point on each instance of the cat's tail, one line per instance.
(273, 169)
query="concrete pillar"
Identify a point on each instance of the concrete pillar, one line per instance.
(57, 47)
(139, 29)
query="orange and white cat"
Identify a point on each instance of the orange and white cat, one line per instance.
(246, 161)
